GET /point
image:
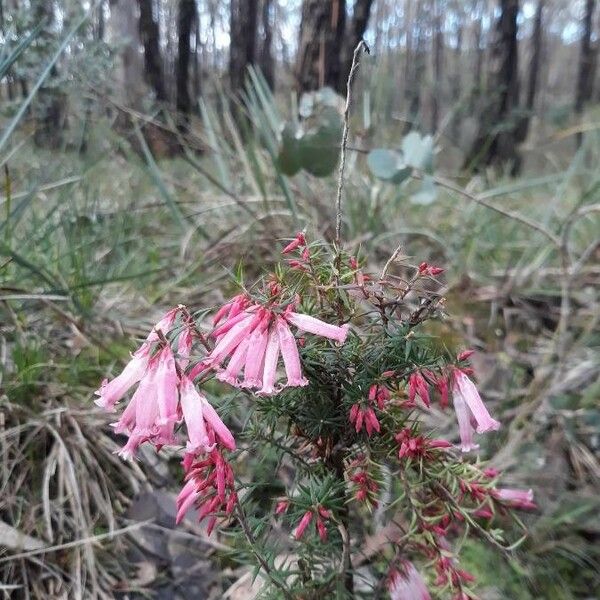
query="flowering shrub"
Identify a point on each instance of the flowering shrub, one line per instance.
(332, 377)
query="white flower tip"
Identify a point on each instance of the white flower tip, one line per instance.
(491, 425)
(469, 447)
(251, 383)
(301, 382)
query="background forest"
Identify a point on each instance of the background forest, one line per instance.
(148, 145)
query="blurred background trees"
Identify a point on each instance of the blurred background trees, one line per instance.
(476, 72)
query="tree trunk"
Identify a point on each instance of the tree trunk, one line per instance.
(479, 57)
(185, 23)
(242, 48)
(438, 58)
(319, 47)
(123, 26)
(100, 22)
(265, 58)
(355, 33)
(587, 63)
(50, 105)
(150, 36)
(416, 68)
(456, 86)
(534, 68)
(496, 140)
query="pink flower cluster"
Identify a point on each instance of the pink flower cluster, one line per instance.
(249, 338)
(417, 446)
(321, 515)
(253, 337)
(471, 413)
(366, 486)
(164, 397)
(364, 416)
(209, 484)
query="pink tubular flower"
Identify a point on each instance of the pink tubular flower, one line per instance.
(417, 446)
(321, 528)
(164, 325)
(465, 428)
(184, 347)
(210, 486)
(426, 269)
(379, 394)
(140, 419)
(152, 410)
(253, 338)
(516, 498)
(366, 417)
(303, 524)
(297, 242)
(464, 389)
(202, 421)
(418, 386)
(289, 352)
(318, 327)
(167, 397)
(465, 355)
(112, 391)
(269, 375)
(406, 583)
(282, 507)
(441, 383)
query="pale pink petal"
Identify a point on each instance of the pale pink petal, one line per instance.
(318, 327)
(127, 421)
(225, 327)
(164, 325)
(112, 391)
(236, 362)
(185, 499)
(289, 352)
(255, 358)
(517, 498)
(166, 388)
(221, 430)
(192, 408)
(184, 347)
(146, 404)
(408, 585)
(465, 429)
(270, 364)
(231, 339)
(466, 388)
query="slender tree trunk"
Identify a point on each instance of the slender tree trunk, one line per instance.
(50, 100)
(587, 60)
(242, 48)
(534, 68)
(456, 86)
(438, 58)
(265, 56)
(356, 31)
(479, 57)
(322, 28)
(150, 36)
(100, 22)
(496, 141)
(123, 25)
(185, 23)
(417, 68)
(197, 58)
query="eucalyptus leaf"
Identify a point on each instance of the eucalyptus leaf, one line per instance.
(418, 151)
(427, 192)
